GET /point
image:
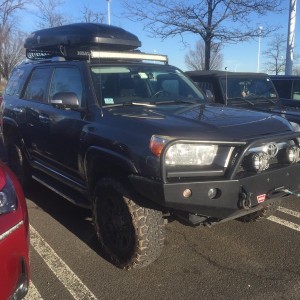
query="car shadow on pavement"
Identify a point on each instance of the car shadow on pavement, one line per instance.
(76, 219)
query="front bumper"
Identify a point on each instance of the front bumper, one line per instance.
(235, 197)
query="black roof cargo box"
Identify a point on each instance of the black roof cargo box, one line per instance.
(82, 36)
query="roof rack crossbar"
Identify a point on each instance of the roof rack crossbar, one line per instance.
(129, 55)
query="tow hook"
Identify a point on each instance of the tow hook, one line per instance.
(244, 201)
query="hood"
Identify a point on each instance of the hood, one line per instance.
(207, 121)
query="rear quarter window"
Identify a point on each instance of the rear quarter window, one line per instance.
(15, 82)
(36, 88)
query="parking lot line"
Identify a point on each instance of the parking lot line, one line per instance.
(33, 293)
(61, 270)
(284, 223)
(289, 212)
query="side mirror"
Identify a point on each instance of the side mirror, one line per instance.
(210, 96)
(65, 100)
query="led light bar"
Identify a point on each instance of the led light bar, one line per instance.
(129, 55)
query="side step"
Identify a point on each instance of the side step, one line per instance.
(64, 191)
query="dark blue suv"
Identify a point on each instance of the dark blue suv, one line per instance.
(137, 143)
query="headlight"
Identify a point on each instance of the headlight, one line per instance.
(191, 154)
(8, 198)
(184, 153)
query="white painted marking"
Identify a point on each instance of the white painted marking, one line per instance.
(61, 270)
(289, 211)
(33, 293)
(284, 223)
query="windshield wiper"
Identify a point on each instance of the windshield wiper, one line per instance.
(266, 98)
(242, 98)
(185, 101)
(254, 96)
(152, 103)
(131, 103)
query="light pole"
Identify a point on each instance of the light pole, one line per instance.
(291, 38)
(259, 31)
(108, 11)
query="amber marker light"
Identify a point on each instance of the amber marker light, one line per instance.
(157, 144)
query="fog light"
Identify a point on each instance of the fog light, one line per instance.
(212, 193)
(293, 154)
(260, 161)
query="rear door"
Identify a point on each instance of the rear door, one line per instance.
(34, 102)
(53, 134)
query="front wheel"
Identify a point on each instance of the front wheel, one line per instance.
(266, 211)
(130, 235)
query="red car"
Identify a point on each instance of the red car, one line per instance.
(14, 237)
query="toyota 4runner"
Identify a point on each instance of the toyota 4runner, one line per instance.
(136, 142)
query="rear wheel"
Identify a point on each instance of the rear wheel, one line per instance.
(131, 236)
(18, 163)
(267, 211)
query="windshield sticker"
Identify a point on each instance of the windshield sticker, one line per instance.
(108, 100)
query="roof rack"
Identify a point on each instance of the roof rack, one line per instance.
(86, 41)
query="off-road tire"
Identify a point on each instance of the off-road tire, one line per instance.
(131, 236)
(18, 162)
(267, 211)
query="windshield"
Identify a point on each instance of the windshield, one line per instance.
(143, 85)
(251, 88)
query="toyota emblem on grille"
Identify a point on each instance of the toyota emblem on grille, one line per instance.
(272, 149)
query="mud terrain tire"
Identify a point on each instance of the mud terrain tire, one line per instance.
(131, 236)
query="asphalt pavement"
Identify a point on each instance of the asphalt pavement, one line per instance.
(232, 260)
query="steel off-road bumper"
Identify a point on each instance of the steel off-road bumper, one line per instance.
(233, 198)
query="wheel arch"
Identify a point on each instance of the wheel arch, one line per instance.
(10, 130)
(100, 162)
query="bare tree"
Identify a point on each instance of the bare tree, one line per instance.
(90, 16)
(195, 59)
(275, 55)
(13, 53)
(8, 10)
(296, 71)
(296, 68)
(215, 21)
(49, 13)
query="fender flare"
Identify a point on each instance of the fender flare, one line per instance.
(108, 156)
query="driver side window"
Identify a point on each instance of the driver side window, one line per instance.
(66, 80)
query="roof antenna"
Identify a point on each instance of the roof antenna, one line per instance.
(226, 94)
